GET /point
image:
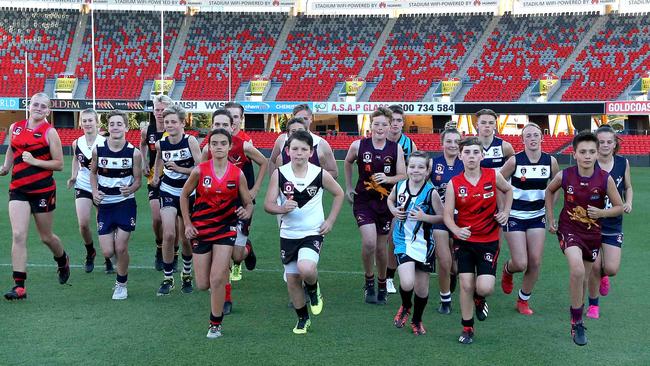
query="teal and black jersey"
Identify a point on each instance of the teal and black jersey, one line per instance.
(411, 237)
(406, 144)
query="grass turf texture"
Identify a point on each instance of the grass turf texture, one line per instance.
(79, 323)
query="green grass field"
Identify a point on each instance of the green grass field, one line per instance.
(78, 323)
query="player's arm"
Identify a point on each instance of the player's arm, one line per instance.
(277, 149)
(195, 149)
(278, 161)
(400, 169)
(75, 166)
(204, 152)
(9, 157)
(189, 187)
(271, 200)
(614, 198)
(414, 147)
(448, 214)
(137, 175)
(549, 201)
(144, 147)
(390, 201)
(326, 159)
(256, 156)
(629, 194)
(56, 152)
(157, 166)
(508, 168)
(506, 189)
(246, 210)
(350, 158)
(94, 185)
(330, 184)
(555, 168)
(508, 150)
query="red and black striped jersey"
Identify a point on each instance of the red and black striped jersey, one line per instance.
(216, 201)
(24, 177)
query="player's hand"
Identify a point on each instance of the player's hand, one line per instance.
(98, 197)
(464, 233)
(190, 231)
(552, 225)
(172, 166)
(253, 193)
(350, 195)
(627, 207)
(501, 217)
(289, 205)
(242, 213)
(416, 213)
(146, 171)
(71, 182)
(380, 178)
(28, 158)
(594, 212)
(126, 190)
(155, 181)
(325, 227)
(399, 213)
(3, 171)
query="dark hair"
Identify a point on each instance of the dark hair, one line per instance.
(117, 112)
(221, 112)
(487, 112)
(448, 131)
(234, 105)
(382, 111)
(303, 136)
(420, 154)
(584, 136)
(469, 141)
(396, 108)
(610, 129)
(220, 131)
(295, 120)
(300, 108)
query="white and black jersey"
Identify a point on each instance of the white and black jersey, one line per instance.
(529, 182)
(172, 182)
(114, 170)
(84, 154)
(306, 219)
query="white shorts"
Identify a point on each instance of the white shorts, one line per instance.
(304, 254)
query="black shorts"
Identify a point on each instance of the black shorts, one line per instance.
(154, 192)
(80, 193)
(203, 247)
(428, 267)
(289, 247)
(38, 202)
(478, 258)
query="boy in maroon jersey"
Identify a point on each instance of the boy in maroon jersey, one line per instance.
(476, 230)
(579, 229)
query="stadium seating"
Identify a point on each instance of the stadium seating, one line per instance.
(46, 35)
(68, 135)
(614, 58)
(127, 47)
(520, 50)
(420, 50)
(323, 50)
(630, 145)
(247, 38)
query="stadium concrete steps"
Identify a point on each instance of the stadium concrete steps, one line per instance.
(73, 58)
(381, 41)
(280, 44)
(432, 89)
(476, 51)
(367, 91)
(147, 87)
(525, 96)
(82, 89)
(557, 96)
(334, 95)
(179, 46)
(625, 94)
(49, 86)
(177, 91)
(460, 96)
(241, 91)
(273, 91)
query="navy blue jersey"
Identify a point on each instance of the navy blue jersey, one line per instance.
(441, 173)
(614, 225)
(493, 156)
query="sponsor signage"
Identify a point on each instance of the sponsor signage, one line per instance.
(9, 104)
(100, 105)
(386, 6)
(628, 107)
(249, 107)
(369, 107)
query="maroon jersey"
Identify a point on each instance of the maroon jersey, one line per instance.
(24, 177)
(371, 161)
(477, 205)
(216, 201)
(580, 192)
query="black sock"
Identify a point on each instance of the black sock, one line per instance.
(390, 272)
(122, 279)
(107, 260)
(158, 247)
(311, 288)
(168, 269)
(90, 250)
(62, 260)
(418, 308)
(237, 263)
(216, 320)
(467, 323)
(302, 312)
(381, 283)
(19, 278)
(370, 280)
(445, 297)
(406, 297)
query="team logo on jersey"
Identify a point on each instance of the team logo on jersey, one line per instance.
(125, 163)
(488, 257)
(288, 189)
(569, 190)
(488, 195)
(311, 191)
(316, 245)
(282, 254)
(594, 254)
(367, 157)
(231, 184)
(462, 191)
(619, 238)
(17, 130)
(401, 199)
(38, 135)
(133, 222)
(387, 169)
(388, 160)
(183, 153)
(42, 203)
(103, 161)
(167, 155)
(80, 158)
(100, 225)
(152, 139)
(595, 194)
(487, 187)
(439, 169)
(207, 182)
(544, 171)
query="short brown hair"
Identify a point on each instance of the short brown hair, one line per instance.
(300, 108)
(382, 111)
(420, 154)
(117, 112)
(469, 141)
(235, 105)
(487, 112)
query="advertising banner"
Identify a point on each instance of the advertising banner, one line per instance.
(258, 86)
(353, 86)
(9, 104)
(164, 85)
(249, 107)
(64, 84)
(448, 86)
(645, 84)
(628, 107)
(545, 85)
(369, 107)
(386, 6)
(101, 105)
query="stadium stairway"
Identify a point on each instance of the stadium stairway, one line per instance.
(280, 44)
(368, 88)
(177, 91)
(381, 41)
(179, 46)
(241, 91)
(477, 50)
(557, 95)
(77, 41)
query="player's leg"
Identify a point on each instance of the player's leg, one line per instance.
(443, 253)
(368, 250)
(578, 270)
(83, 206)
(381, 261)
(19, 218)
(219, 272)
(186, 255)
(535, 248)
(43, 223)
(156, 224)
(606, 264)
(486, 256)
(308, 257)
(467, 277)
(168, 216)
(421, 289)
(406, 269)
(238, 253)
(122, 266)
(518, 255)
(297, 295)
(392, 264)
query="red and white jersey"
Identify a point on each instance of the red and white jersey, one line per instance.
(477, 205)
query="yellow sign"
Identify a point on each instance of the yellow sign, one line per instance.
(448, 86)
(166, 86)
(353, 86)
(258, 86)
(645, 84)
(545, 85)
(64, 84)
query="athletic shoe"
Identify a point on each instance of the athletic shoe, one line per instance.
(251, 260)
(90, 262)
(166, 287)
(301, 326)
(604, 286)
(316, 301)
(522, 307)
(445, 307)
(186, 287)
(506, 281)
(214, 331)
(109, 267)
(401, 317)
(481, 309)
(453, 279)
(390, 286)
(593, 312)
(235, 273)
(64, 272)
(418, 329)
(467, 336)
(120, 292)
(158, 262)
(227, 307)
(382, 296)
(16, 293)
(578, 334)
(369, 294)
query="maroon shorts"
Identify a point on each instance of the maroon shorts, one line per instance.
(589, 245)
(373, 212)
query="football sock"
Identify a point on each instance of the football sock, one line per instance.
(406, 297)
(418, 308)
